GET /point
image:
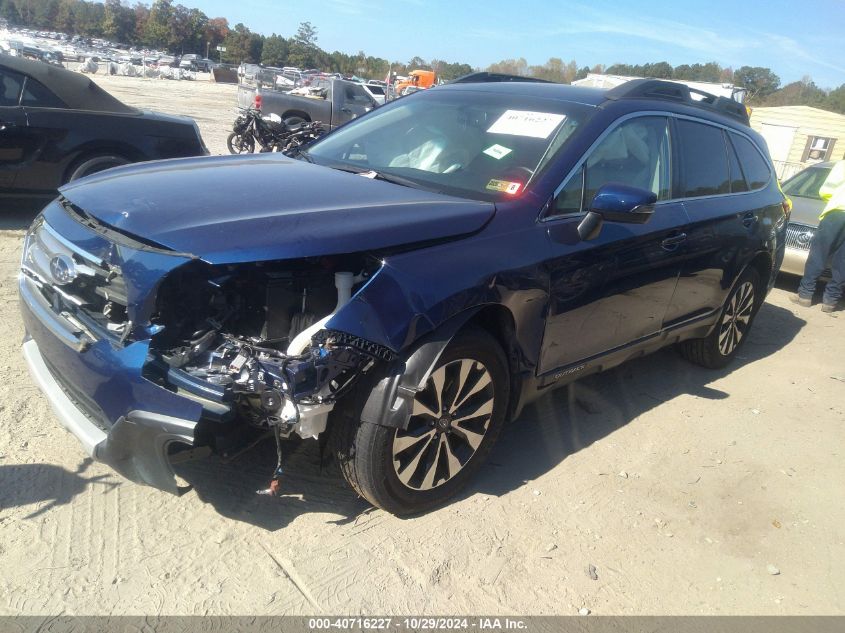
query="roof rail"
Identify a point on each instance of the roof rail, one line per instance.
(488, 77)
(681, 93)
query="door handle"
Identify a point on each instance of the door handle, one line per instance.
(6, 126)
(749, 219)
(673, 242)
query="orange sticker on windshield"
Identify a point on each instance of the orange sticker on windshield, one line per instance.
(504, 186)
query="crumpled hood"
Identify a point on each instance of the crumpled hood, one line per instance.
(260, 207)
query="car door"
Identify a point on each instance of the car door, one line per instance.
(354, 102)
(612, 290)
(49, 124)
(713, 189)
(13, 133)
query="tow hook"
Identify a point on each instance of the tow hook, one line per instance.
(289, 417)
(274, 490)
(275, 486)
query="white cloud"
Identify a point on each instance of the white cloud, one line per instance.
(792, 47)
(587, 20)
(350, 7)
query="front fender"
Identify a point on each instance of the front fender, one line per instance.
(390, 310)
(391, 402)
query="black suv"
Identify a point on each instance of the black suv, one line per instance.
(407, 284)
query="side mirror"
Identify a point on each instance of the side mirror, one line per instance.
(615, 202)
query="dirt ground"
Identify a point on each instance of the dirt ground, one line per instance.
(688, 492)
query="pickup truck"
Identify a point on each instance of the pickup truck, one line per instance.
(331, 102)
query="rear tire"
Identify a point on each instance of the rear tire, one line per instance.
(731, 331)
(406, 471)
(294, 122)
(94, 164)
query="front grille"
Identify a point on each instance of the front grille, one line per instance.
(799, 236)
(96, 295)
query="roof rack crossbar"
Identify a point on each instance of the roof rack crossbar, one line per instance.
(672, 91)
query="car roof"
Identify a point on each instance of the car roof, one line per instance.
(599, 96)
(77, 91)
(564, 92)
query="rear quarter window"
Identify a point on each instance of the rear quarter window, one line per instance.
(35, 95)
(757, 172)
(738, 183)
(704, 160)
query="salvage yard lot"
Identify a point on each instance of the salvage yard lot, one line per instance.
(688, 491)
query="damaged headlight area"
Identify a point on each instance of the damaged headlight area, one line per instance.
(250, 343)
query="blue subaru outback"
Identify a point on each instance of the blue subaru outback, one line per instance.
(406, 284)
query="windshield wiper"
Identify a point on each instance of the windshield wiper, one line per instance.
(396, 180)
(379, 175)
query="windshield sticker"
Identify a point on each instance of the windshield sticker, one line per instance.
(523, 123)
(504, 186)
(497, 151)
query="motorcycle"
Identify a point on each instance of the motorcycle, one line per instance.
(270, 133)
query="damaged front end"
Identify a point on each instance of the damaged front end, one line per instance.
(144, 352)
(249, 343)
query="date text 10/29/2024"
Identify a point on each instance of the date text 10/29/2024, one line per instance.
(417, 624)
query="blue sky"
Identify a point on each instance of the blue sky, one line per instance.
(793, 38)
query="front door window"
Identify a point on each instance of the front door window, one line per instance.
(634, 153)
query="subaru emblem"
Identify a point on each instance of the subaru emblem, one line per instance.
(62, 269)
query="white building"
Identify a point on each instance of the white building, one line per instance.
(799, 136)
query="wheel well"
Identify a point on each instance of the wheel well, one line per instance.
(762, 262)
(498, 321)
(93, 152)
(299, 113)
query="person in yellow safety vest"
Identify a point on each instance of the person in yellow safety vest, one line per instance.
(828, 245)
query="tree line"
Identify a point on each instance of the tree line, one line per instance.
(164, 25)
(177, 29)
(763, 85)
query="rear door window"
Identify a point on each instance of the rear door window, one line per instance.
(756, 170)
(704, 160)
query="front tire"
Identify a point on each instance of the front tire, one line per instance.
(454, 424)
(238, 144)
(730, 333)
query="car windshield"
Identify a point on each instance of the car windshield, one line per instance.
(806, 184)
(479, 145)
